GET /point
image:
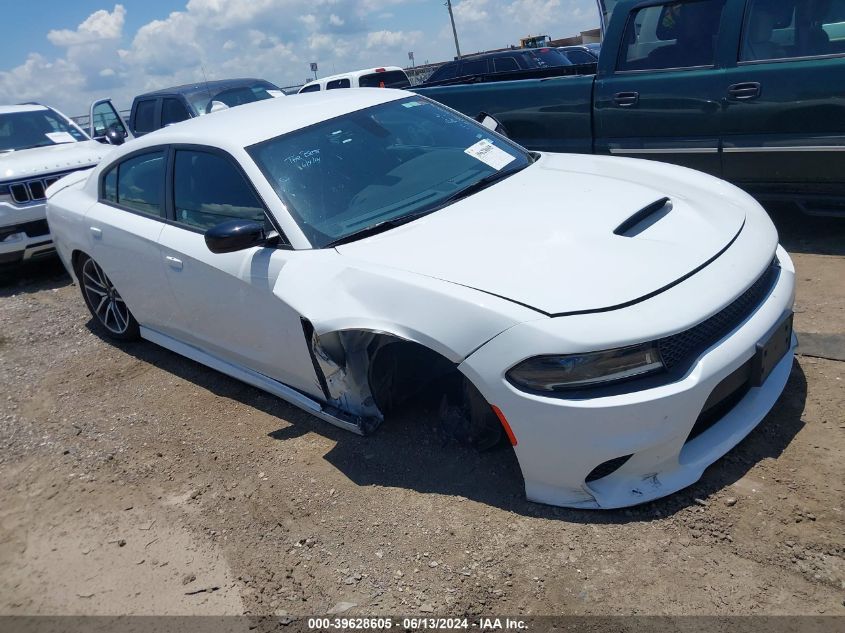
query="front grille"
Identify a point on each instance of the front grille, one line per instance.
(679, 349)
(35, 228)
(724, 397)
(34, 190)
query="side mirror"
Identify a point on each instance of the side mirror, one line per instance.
(234, 235)
(491, 123)
(216, 106)
(115, 134)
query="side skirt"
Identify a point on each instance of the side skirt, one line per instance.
(250, 377)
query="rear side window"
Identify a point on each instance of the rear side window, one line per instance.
(145, 116)
(677, 35)
(338, 83)
(315, 87)
(504, 64)
(173, 111)
(137, 183)
(793, 28)
(474, 67)
(208, 190)
(389, 79)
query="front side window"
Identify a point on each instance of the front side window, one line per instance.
(781, 29)
(145, 116)
(173, 111)
(380, 165)
(313, 87)
(35, 128)
(208, 190)
(677, 35)
(105, 117)
(338, 83)
(110, 185)
(139, 184)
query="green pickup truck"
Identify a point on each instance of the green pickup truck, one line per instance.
(752, 91)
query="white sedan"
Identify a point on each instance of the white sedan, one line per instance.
(622, 323)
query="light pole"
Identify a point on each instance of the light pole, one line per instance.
(454, 30)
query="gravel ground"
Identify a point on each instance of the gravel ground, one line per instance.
(133, 481)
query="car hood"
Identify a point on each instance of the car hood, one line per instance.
(549, 236)
(53, 158)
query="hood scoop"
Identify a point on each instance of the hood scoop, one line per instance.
(644, 218)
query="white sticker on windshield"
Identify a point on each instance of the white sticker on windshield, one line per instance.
(489, 154)
(60, 137)
(412, 104)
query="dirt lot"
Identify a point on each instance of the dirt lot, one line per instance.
(134, 481)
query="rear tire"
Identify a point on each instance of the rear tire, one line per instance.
(110, 312)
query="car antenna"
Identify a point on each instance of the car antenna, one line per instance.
(205, 77)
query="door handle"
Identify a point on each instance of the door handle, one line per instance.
(97, 232)
(744, 91)
(626, 99)
(174, 262)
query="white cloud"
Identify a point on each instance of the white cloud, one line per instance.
(392, 39)
(100, 25)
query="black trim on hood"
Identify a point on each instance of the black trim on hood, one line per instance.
(626, 304)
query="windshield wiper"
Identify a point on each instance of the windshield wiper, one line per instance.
(17, 149)
(379, 227)
(478, 185)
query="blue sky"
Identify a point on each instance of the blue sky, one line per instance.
(68, 52)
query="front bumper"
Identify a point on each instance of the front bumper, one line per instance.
(561, 441)
(24, 234)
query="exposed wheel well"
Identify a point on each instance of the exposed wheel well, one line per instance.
(74, 259)
(378, 373)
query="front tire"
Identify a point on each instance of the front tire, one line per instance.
(110, 312)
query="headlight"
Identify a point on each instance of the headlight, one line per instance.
(575, 371)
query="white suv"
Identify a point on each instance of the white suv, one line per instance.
(38, 145)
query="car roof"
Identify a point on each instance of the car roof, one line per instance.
(216, 85)
(22, 107)
(236, 128)
(505, 53)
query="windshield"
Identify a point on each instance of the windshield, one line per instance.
(366, 168)
(233, 96)
(35, 128)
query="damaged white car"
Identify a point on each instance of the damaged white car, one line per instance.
(623, 323)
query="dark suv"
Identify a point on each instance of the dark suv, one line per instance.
(154, 110)
(519, 63)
